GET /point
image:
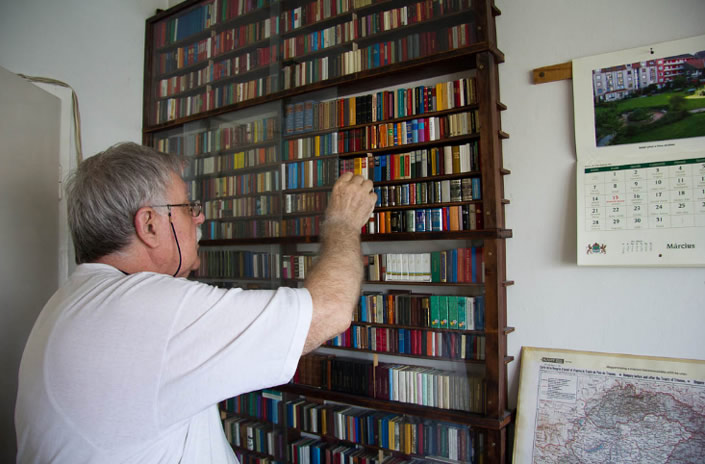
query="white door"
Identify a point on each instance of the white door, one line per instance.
(29, 227)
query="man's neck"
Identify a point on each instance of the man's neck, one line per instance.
(131, 261)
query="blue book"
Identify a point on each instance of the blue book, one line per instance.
(376, 55)
(454, 265)
(370, 428)
(480, 312)
(275, 411)
(384, 432)
(290, 118)
(436, 219)
(420, 220)
(402, 344)
(378, 192)
(384, 173)
(421, 90)
(473, 263)
(476, 189)
(414, 130)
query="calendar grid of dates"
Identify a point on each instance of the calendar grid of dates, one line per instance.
(655, 195)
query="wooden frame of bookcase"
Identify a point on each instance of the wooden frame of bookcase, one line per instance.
(484, 58)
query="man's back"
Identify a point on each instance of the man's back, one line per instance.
(110, 372)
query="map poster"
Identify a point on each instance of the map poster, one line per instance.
(595, 408)
(640, 144)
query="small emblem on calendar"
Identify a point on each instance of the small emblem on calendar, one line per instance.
(596, 249)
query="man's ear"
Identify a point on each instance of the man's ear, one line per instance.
(147, 226)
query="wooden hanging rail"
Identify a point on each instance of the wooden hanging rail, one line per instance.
(556, 72)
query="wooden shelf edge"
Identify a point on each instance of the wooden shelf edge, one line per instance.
(394, 237)
(408, 355)
(507, 283)
(508, 330)
(503, 135)
(473, 419)
(508, 359)
(501, 106)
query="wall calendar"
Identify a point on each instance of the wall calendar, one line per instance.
(640, 143)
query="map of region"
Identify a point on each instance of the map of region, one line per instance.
(584, 412)
(593, 417)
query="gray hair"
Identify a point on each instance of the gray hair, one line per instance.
(105, 192)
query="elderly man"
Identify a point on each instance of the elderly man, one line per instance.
(128, 360)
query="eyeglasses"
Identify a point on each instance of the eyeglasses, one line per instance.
(194, 207)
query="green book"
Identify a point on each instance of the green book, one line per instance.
(435, 266)
(462, 308)
(443, 312)
(453, 312)
(435, 316)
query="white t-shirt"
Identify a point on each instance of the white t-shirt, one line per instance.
(130, 368)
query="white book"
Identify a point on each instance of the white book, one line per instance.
(432, 123)
(426, 267)
(465, 158)
(405, 267)
(447, 160)
(411, 385)
(445, 191)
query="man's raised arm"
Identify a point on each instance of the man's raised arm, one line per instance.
(334, 282)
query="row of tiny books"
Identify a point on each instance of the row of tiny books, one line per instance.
(449, 159)
(454, 265)
(407, 434)
(254, 435)
(423, 311)
(414, 342)
(422, 193)
(395, 382)
(312, 115)
(388, 135)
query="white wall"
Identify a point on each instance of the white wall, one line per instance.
(647, 311)
(97, 46)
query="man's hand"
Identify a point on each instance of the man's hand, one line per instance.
(334, 282)
(351, 202)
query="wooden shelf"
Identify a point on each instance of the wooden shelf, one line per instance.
(322, 24)
(479, 60)
(426, 205)
(459, 109)
(406, 355)
(442, 62)
(461, 417)
(390, 237)
(454, 17)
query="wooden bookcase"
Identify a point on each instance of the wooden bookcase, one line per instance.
(272, 100)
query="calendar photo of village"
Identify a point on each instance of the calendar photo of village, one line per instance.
(648, 101)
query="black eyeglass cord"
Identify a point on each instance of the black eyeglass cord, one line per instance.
(177, 244)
